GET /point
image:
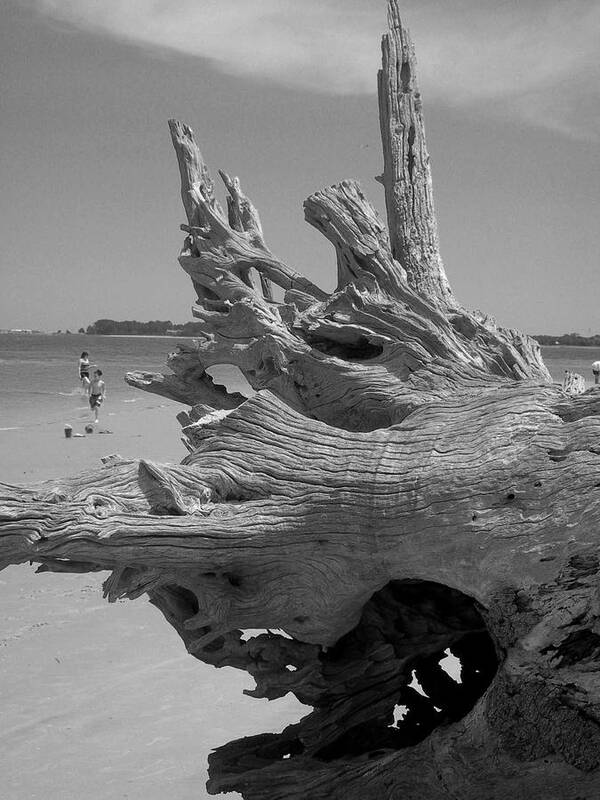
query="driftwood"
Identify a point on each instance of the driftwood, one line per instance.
(573, 383)
(406, 485)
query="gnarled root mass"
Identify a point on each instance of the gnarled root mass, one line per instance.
(406, 506)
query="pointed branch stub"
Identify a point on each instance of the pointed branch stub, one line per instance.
(407, 174)
(196, 183)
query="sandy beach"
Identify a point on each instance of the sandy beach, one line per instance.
(102, 701)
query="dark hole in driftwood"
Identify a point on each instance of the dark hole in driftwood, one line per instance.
(411, 153)
(361, 349)
(445, 659)
(178, 602)
(582, 645)
(405, 76)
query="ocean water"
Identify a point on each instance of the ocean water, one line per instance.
(576, 359)
(39, 376)
(39, 381)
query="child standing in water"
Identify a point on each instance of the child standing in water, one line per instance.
(97, 393)
(84, 371)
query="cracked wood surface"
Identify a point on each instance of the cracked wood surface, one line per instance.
(405, 481)
(406, 167)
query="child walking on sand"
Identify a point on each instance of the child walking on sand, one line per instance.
(97, 393)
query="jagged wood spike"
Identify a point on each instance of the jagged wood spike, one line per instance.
(406, 171)
(196, 182)
(243, 216)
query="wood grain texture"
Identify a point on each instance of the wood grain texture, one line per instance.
(406, 485)
(406, 166)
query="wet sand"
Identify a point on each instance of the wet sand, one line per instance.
(102, 701)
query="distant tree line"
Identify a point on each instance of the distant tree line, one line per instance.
(131, 327)
(569, 339)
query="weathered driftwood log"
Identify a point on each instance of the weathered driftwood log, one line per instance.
(405, 486)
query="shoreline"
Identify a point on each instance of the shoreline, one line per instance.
(103, 335)
(137, 335)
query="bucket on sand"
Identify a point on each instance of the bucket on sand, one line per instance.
(68, 431)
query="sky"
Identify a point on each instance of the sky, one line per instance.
(283, 94)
